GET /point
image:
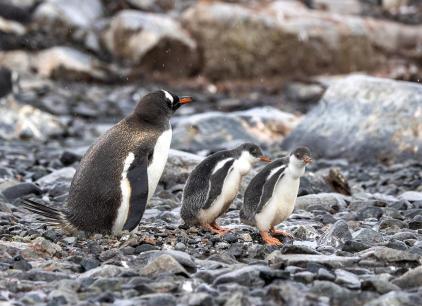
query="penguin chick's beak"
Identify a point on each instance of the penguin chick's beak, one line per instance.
(307, 159)
(265, 159)
(185, 100)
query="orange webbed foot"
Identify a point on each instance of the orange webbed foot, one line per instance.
(282, 232)
(270, 240)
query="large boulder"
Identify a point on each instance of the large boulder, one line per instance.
(364, 119)
(69, 13)
(27, 122)
(67, 63)
(60, 62)
(215, 130)
(153, 42)
(286, 38)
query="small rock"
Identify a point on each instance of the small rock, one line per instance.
(304, 277)
(68, 13)
(392, 224)
(180, 246)
(411, 196)
(20, 190)
(89, 264)
(367, 236)
(410, 279)
(347, 279)
(390, 255)
(163, 264)
(324, 274)
(396, 298)
(40, 244)
(230, 238)
(354, 246)
(64, 175)
(69, 240)
(331, 202)
(145, 247)
(380, 285)
(246, 276)
(337, 235)
(369, 212)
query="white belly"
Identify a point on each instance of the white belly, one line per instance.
(281, 204)
(156, 168)
(229, 191)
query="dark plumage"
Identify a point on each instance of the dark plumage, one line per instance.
(270, 197)
(260, 190)
(100, 184)
(209, 192)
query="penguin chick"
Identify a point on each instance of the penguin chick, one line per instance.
(271, 195)
(119, 173)
(214, 183)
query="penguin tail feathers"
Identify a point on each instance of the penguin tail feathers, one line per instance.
(48, 215)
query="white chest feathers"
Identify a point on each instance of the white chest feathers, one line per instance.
(281, 205)
(125, 188)
(159, 160)
(230, 188)
(154, 171)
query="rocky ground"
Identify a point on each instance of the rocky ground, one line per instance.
(357, 224)
(357, 228)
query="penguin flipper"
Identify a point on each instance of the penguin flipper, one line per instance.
(138, 180)
(260, 189)
(268, 189)
(216, 183)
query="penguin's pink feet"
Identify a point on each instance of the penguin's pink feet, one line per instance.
(281, 232)
(219, 228)
(268, 239)
(213, 229)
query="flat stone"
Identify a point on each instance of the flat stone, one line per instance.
(410, 279)
(368, 236)
(390, 255)
(411, 196)
(332, 202)
(246, 276)
(276, 259)
(347, 279)
(397, 298)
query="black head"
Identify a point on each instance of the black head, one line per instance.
(254, 150)
(159, 103)
(302, 153)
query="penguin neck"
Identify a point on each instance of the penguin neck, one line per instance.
(159, 120)
(243, 163)
(295, 168)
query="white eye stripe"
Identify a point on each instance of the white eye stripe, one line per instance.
(168, 95)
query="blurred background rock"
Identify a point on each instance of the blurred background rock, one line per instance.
(81, 62)
(341, 76)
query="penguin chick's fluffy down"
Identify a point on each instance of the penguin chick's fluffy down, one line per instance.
(214, 183)
(271, 195)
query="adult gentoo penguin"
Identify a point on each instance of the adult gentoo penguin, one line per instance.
(271, 195)
(214, 183)
(119, 173)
